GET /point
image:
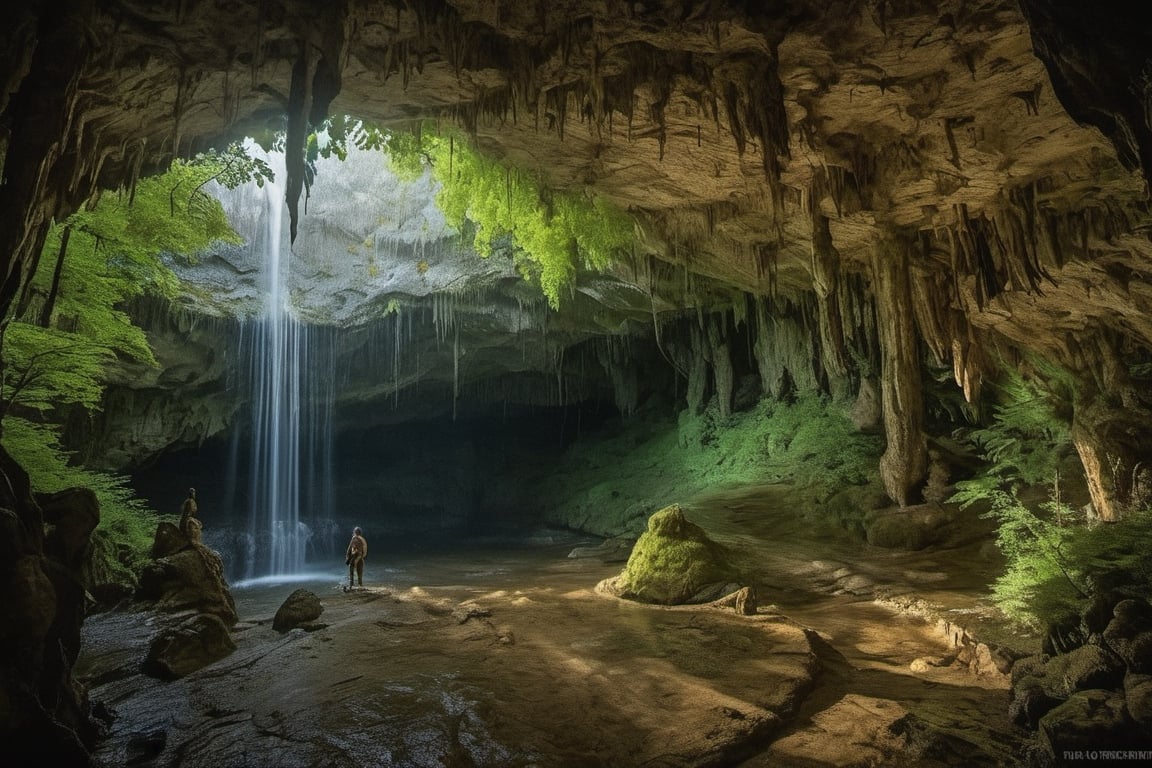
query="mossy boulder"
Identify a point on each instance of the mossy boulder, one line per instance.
(673, 562)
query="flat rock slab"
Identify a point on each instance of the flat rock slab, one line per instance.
(538, 676)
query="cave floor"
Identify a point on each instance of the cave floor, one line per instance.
(499, 655)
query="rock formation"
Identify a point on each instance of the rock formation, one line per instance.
(299, 609)
(969, 176)
(878, 183)
(43, 714)
(673, 562)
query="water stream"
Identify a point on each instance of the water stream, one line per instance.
(287, 384)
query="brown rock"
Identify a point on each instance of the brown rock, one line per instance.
(191, 645)
(190, 579)
(70, 517)
(169, 540)
(301, 607)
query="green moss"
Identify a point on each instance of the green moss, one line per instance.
(608, 486)
(673, 560)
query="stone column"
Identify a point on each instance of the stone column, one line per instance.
(1111, 424)
(905, 460)
(722, 373)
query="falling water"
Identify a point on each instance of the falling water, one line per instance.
(287, 377)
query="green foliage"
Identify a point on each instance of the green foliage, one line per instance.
(1041, 579)
(123, 538)
(554, 234)
(71, 325)
(611, 485)
(673, 560)
(810, 441)
(1055, 562)
(112, 256)
(45, 368)
(1023, 445)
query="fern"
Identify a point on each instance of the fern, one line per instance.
(122, 539)
(1023, 445)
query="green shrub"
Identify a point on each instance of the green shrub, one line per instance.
(1056, 562)
(124, 536)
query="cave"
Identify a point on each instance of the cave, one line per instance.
(714, 383)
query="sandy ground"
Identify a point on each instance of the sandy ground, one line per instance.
(507, 657)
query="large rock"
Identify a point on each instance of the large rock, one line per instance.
(673, 562)
(1088, 720)
(43, 711)
(301, 607)
(1129, 634)
(192, 644)
(189, 579)
(1138, 698)
(910, 528)
(70, 517)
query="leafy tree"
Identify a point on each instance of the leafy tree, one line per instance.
(70, 325)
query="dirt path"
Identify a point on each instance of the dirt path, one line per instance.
(889, 693)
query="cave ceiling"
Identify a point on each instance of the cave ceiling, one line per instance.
(771, 146)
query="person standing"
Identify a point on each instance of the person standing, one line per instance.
(357, 552)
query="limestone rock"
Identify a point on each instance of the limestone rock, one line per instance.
(169, 540)
(300, 608)
(43, 712)
(673, 562)
(191, 645)
(1138, 699)
(191, 578)
(1129, 634)
(70, 517)
(910, 528)
(1086, 721)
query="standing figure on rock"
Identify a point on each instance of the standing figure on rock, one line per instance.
(189, 523)
(357, 551)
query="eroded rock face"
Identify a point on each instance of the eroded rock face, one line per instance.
(780, 150)
(192, 644)
(185, 575)
(43, 714)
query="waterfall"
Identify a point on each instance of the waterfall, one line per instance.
(287, 377)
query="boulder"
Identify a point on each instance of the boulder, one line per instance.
(1040, 683)
(673, 562)
(192, 644)
(1085, 722)
(1089, 666)
(1138, 699)
(301, 607)
(1129, 634)
(190, 579)
(1030, 702)
(70, 517)
(910, 528)
(43, 710)
(169, 540)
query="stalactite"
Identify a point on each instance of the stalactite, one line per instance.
(825, 269)
(697, 371)
(905, 460)
(721, 357)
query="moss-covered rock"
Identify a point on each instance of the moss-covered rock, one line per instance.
(673, 562)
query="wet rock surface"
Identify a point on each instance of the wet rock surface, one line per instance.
(491, 657)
